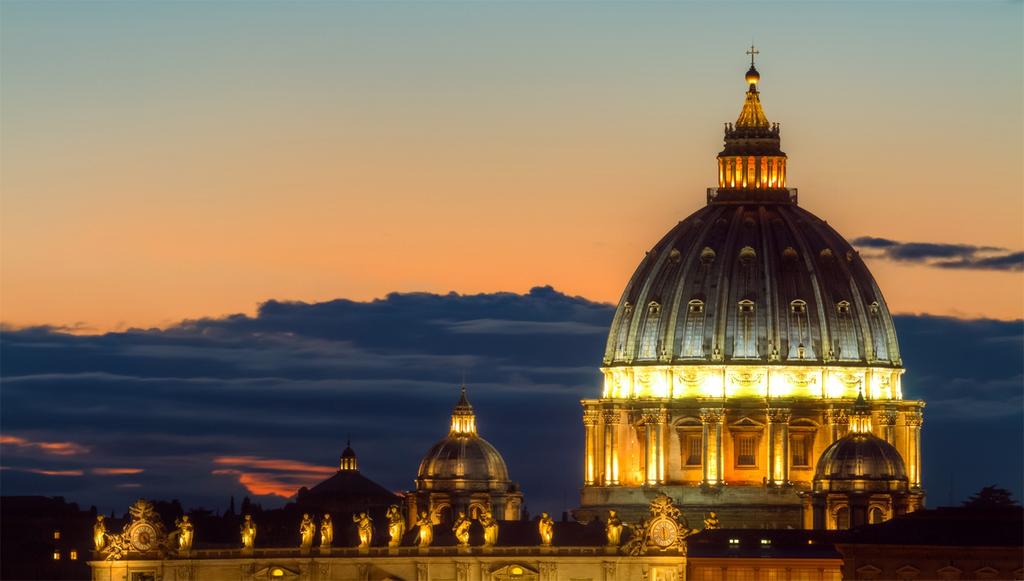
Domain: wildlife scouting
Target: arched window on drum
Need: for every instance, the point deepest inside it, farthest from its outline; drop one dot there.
(746, 330)
(693, 329)
(651, 332)
(845, 340)
(799, 331)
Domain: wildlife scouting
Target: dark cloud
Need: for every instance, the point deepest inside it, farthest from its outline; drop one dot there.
(224, 406)
(941, 255)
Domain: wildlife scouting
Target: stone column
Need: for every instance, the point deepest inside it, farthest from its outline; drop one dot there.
(662, 421)
(654, 445)
(778, 445)
(711, 421)
(914, 421)
(611, 450)
(838, 423)
(888, 420)
(590, 418)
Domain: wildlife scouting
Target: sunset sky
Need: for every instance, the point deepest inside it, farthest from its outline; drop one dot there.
(171, 160)
(164, 165)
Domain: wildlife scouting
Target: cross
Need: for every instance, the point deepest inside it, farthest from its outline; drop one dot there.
(753, 51)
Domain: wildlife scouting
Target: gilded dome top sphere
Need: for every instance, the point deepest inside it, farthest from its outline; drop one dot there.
(753, 76)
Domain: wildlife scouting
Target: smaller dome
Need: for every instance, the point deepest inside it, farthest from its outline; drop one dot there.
(463, 460)
(470, 459)
(861, 461)
(753, 77)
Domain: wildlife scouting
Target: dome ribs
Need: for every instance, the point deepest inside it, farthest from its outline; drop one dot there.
(694, 277)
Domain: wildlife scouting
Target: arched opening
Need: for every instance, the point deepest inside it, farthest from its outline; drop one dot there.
(842, 516)
(876, 515)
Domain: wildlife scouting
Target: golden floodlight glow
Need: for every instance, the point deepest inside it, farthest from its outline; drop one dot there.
(733, 381)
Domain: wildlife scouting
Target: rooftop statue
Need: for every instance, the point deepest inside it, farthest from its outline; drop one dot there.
(184, 533)
(546, 528)
(248, 531)
(99, 533)
(711, 522)
(490, 528)
(426, 530)
(307, 528)
(396, 526)
(326, 531)
(364, 525)
(461, 529)
(613, 529)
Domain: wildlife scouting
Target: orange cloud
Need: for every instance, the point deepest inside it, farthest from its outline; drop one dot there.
(270, 476)
(273, 464)
(53, 448)
(116, 471)
(44, 472)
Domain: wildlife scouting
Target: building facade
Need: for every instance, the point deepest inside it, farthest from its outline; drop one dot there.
(737, 350)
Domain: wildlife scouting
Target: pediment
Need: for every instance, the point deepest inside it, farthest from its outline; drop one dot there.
(868, 570)
(746, 422)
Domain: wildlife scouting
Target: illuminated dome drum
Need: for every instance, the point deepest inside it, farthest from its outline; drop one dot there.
(737, 349)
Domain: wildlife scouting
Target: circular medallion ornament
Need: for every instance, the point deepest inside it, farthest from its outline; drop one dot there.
(143, 537)
(664, 533)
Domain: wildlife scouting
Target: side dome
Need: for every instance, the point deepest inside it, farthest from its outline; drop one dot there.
(859, 457)
(860, 461)
(748, 282)
(463, 460)
(472, 461)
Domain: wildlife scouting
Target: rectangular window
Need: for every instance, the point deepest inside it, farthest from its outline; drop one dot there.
(694, 450)
(801, 444)
(746, 450)
(73, 555)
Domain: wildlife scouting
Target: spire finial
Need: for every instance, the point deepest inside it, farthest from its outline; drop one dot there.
(752, 52)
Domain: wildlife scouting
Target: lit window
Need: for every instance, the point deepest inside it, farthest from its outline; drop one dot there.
(801, 445)
(734, 541)
(277, 573)
(766, 542)
(694, 450)
(746, 450)
(56, 555)
(56, 535)
(73, 555)
(517, 570)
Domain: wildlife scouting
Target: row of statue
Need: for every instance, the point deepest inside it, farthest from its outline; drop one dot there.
(181, 538)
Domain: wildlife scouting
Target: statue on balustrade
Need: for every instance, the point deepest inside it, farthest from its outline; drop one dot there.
(396, 526)
(613, 529)
(490, 528)
(99, 533)
(307, 528)
(426, 530)
(364, 525)
(248, 532)
(546, 528)
(461, 529)
(326, 532)
(184, 533)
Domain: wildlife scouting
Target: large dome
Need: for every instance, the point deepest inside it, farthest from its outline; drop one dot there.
(751, 295)
(745, 282)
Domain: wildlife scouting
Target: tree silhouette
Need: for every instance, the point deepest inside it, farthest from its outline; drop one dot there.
(991, 496)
